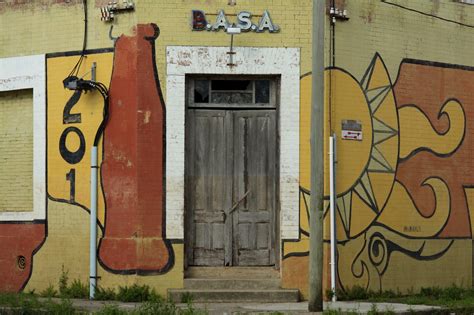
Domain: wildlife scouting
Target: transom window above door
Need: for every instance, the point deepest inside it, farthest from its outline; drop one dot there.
(232, 92)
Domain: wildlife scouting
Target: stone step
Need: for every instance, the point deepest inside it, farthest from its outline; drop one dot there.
(220, 296)
(232, 273)
(233, 284)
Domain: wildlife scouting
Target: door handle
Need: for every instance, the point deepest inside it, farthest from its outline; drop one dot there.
(234, 207)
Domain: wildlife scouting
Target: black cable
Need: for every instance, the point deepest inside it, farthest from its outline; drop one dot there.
(332, 52)
(87, 85)
(333, 29)
(104, 121)
(426, 14)
(76, 68)
(104, 92)
(84, 43)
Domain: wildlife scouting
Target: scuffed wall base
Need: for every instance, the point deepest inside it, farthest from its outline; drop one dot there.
(67, 250)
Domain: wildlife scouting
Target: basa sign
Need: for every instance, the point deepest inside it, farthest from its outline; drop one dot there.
(244, 22)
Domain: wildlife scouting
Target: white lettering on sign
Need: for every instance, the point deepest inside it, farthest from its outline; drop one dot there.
(221, 21)
(244, 22)
(351, 135)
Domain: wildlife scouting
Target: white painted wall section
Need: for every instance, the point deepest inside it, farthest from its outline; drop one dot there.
(285, 62)
(29, 72)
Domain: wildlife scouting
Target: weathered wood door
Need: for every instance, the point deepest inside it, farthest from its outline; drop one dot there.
(254, 144)
(231, 176)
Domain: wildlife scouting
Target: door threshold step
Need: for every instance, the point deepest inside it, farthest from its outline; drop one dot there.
(222, 296)
(232, 273)
(233, 284)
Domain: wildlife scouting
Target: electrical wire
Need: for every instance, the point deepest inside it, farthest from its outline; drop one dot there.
(87, 85)
(332, 52)
(75, 70)
(426, 14)
(105, 94)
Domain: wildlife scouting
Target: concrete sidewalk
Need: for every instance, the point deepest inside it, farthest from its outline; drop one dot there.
(302, 308)
(262, 308)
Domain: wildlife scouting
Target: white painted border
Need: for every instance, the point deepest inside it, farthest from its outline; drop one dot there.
(20, 73)
(182, 60)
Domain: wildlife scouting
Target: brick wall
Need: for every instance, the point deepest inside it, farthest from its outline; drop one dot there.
(16, 151)
(60, 27)
(374, 27)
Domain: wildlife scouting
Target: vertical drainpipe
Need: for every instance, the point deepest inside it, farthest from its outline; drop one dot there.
(93, 226)
(332, 204)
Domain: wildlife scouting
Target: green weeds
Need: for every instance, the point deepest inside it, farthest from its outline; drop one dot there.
(105, 294)
(57, 301)
(186, 297)
(111, 309)
(453, 299)
(136, 293)
(13, 303)
(25, 304)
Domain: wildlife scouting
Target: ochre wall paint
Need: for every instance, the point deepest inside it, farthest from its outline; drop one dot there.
(16, 150)
(431, 223)
(36, 24)
(67, 250)
(408, 206)
(68, 220)
(405, 194)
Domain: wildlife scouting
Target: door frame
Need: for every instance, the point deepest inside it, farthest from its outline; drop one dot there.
(189, 154)
(283, 62)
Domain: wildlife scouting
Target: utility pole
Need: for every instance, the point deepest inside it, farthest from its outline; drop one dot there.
(317, 161)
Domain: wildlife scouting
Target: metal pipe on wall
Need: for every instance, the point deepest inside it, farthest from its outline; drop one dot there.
(332, 210)
(93, 226)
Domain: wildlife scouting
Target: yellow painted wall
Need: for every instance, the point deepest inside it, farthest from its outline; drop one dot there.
(16, 151)
(64, 23)
(67, 250)
(377, 214)
(402, 190)
(90, 107)
(396, 33)
(52, 28)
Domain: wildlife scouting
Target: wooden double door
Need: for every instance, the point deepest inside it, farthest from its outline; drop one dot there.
(231, 185)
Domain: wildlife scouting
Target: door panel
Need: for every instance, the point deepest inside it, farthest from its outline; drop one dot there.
(254, 138)
(207, 176)
(231, 176)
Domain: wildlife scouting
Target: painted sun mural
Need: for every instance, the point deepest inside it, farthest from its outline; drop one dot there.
(402, 203)
(364, 183)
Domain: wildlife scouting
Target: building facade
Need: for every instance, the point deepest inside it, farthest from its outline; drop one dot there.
(205, 156)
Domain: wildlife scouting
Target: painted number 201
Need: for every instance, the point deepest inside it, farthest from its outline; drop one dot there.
(72, 157)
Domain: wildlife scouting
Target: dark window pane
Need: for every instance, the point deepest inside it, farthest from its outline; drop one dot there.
(262, 91)
(201, 91)
(231, 98)
(231, 85)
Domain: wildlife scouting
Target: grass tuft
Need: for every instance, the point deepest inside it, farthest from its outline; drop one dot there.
(136, 293)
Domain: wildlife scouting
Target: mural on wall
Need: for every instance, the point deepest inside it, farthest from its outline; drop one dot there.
(131, 218)
(134, 164)
(20, 242)
(131, 214)
(22, 151)
(403, 192)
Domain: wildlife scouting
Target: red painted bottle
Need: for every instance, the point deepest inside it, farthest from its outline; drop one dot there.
(133, 166)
